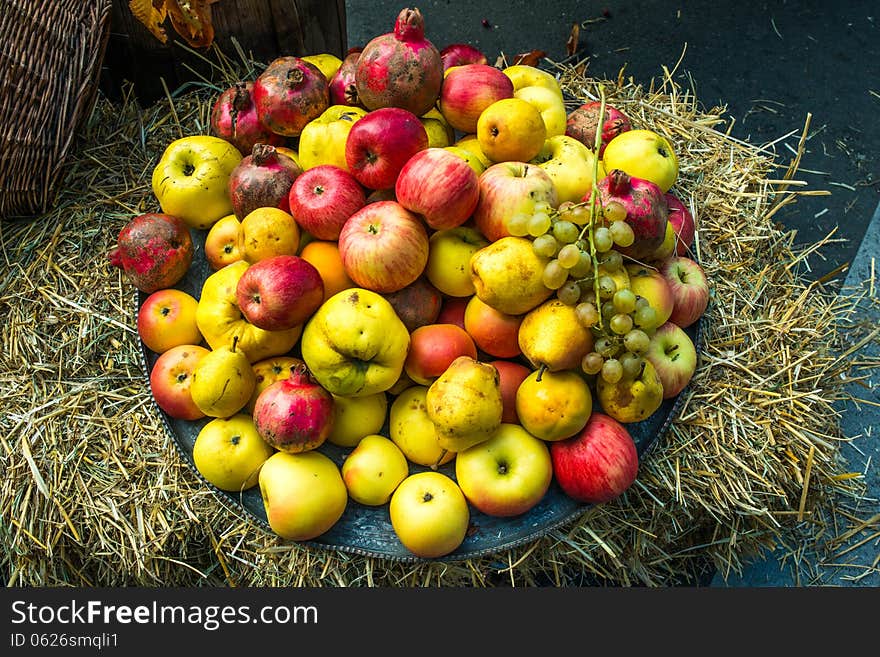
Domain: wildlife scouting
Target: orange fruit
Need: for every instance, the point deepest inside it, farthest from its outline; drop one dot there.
(554, 405)
(324, 256)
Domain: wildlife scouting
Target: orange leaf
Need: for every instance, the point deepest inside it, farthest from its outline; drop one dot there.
(571, 46)
(152, 14)
(530, 58)
(192, 20)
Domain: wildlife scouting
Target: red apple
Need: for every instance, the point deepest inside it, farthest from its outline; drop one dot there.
(383, 246)
(509, 188)
(682, 223)
(439, 186)
(170, 380)
(493, 331)
(323, 198)
(452, 311)
(510, 374)
(470, 89)
(458, 54)
(690, 289)
(432, 349)
(597, 464)
(167, 318)
(416, 304)
(279, 292)
(674, 357)
(380, 143)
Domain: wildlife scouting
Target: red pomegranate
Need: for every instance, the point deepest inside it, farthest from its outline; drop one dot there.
(343, 90)
(294, 414)
(234, 118)
(583, 121)
(262, 179)
(401, 68)
(154, 250)
(646, 210)
(289, 93)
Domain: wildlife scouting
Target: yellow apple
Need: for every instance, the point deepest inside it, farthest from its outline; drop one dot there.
(643, 154)
(429, 514)
(468, 156)
(373, 470)
(326, 62)
(440, 133)
(449, 257)
(303, 494)
(356, 417)
(229, 452)
(523, 75)
(549, 104)
(571, 167)
(221, 242)
(322, 140)
(511, 130)
(554, 405)
(506, 475)
(355, 344)
(412, 430)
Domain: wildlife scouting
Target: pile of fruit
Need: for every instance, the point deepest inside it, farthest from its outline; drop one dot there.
(426, 260)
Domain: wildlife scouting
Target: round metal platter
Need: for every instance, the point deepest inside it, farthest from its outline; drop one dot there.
(367, 530)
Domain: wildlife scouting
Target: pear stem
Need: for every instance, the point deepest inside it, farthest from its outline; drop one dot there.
(440, 458)
(541, 370)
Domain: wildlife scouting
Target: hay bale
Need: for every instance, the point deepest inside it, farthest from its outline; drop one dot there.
(95, 494)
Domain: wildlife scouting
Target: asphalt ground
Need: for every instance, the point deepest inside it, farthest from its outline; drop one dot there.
(777, 67)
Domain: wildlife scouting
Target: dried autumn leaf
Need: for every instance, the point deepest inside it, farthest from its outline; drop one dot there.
(151, 13)
(530, 58)
(192, 20)
(571, 46)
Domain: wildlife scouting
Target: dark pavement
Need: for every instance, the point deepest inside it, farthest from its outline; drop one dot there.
(771, 64)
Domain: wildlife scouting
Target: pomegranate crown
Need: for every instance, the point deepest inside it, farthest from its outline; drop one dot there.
(410, 25)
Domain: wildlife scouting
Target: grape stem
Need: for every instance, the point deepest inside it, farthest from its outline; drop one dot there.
(591, 224)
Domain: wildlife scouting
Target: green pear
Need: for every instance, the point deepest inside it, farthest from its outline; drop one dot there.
(509, 276)
(551, 336)
(223, 381)
(465, 404)
(631, 400)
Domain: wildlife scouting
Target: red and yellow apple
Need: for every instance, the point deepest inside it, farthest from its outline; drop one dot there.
(323, 198)
(167, 318)
(439, 187)
(432, 349)
(674, 357)
(510, 375)
(690, 289)
(373, 470)
(470, 89)
(493, 331)
(221, 242)
(429, 514)
(509, 188)
(171, 380)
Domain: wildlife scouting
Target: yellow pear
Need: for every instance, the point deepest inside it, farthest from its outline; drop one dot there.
(551, 336)
(631, 400)
(465, 403)
(223, 381)
(508, 275)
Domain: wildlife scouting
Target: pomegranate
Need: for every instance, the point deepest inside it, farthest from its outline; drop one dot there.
(294, 414)
(290, 93)
(343, 90)
(234, 118)
(154, 250)
(645, 206)
(457, 54)
(401, 68)
(262, 179)
(582, 123)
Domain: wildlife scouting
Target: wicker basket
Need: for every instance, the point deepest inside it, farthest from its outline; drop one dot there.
(50, 60)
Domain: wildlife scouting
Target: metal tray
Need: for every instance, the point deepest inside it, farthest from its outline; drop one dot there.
(366, 530)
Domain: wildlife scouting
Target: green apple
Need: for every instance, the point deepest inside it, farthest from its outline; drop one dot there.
(440, 133)
(303, 494)
(643, 154)
(449, 257)
(229, 452)
(506, 475)
(571, 166)
(412, 430)
(373, 470)
(191, 179)
(355, 344)
(429, 514)
(549, 104)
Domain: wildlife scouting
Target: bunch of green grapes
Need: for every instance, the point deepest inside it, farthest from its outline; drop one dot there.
(585, 270)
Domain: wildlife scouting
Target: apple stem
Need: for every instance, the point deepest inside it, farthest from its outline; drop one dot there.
(541, 371)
